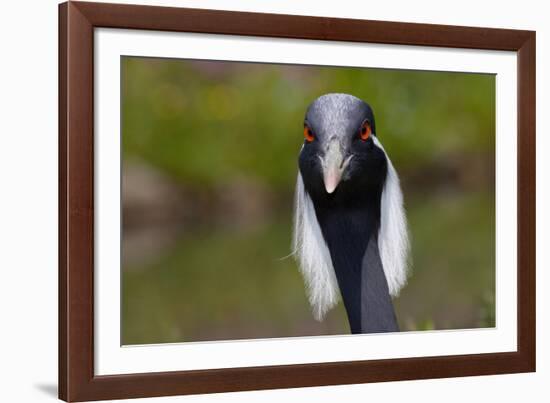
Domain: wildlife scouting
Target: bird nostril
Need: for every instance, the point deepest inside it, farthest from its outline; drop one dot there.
(346, 161)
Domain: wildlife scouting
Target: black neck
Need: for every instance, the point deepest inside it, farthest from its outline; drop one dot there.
(351, 233)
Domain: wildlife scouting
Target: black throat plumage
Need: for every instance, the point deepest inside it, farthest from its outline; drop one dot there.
(349, 222)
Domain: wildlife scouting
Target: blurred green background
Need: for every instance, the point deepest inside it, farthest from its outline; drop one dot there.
(209, 166)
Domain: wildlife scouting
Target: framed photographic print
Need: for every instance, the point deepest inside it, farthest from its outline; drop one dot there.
(253, 201)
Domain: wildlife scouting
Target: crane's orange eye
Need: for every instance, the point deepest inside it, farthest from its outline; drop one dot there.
(308, 134)
(365, 131)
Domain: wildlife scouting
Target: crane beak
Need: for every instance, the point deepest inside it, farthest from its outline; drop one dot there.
(334, 164)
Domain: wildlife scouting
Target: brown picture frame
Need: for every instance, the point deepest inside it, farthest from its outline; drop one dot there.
(77, 381)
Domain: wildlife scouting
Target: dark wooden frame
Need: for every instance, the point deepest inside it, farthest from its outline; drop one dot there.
(77, 381)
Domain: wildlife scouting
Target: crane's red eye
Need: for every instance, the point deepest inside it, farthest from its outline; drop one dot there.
(365, 131)
(308, 134)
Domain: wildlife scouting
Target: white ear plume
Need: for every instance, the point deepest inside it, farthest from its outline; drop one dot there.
(311, 252)
(393, 237)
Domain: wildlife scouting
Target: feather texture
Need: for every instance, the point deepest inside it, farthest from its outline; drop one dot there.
(313, 256)
(393, 236)
(311, 252)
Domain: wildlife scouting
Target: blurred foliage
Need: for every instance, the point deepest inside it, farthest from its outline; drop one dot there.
(206, 124)
(248, 118)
